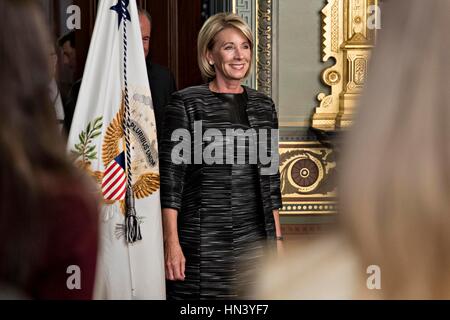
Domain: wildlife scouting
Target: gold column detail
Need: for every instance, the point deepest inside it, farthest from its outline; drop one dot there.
(264, 47)
(348, 39)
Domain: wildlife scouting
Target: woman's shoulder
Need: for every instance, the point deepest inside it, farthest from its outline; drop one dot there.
(254, 94)
(192, 91)
(203, 92)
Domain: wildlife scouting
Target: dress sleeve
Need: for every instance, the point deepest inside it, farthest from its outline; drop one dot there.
(172, 172)
(275, 192)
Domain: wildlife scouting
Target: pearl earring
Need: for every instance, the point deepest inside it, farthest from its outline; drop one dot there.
(211, 63)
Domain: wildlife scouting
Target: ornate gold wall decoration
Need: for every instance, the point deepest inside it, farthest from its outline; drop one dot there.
(348, 39)
(264, 45)
(308, 171)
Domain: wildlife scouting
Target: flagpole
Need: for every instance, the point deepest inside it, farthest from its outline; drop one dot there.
(132, 223)
(105, 144)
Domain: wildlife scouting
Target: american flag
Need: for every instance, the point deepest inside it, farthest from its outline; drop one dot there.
(114, 180)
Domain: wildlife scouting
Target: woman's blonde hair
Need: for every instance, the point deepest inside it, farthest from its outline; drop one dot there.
(210, 29)
(395, 183)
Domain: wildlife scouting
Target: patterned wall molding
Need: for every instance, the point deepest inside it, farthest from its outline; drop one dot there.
(264, 45)
(308, 178)
(258, 14)
(306, 229)
(247, 9)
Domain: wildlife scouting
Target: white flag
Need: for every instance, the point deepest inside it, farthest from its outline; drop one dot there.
(124, 270)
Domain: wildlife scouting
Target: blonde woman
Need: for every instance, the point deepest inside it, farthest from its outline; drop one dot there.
(215, 214)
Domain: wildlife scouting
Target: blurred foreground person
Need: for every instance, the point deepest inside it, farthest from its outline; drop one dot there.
(48, 225)
(55, 93)
(69, 61)
(395, 177)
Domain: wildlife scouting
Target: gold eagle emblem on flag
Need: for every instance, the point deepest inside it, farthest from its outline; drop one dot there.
(144, 154)
(144, 147)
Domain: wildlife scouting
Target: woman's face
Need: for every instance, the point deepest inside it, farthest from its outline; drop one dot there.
(231, 55)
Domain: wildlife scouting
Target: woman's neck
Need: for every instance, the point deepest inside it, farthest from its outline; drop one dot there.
(226, 86)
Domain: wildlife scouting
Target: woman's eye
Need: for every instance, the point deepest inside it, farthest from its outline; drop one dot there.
(228, 48)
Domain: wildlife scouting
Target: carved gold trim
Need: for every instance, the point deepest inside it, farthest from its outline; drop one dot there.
(308, 171)
(347, 39)
(264, 45)
(291, 230)
(305, 123)
(262, 13)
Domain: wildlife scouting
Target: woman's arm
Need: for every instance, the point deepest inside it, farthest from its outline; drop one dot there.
(173, 254)
(172, 182)
(278, 233)
(276, 217)
(275, 191)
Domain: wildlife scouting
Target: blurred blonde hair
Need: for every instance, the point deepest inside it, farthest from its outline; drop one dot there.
(395, 183)
(33, 156)
(210, 29)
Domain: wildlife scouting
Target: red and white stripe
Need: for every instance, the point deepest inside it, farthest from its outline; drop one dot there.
(113, 184)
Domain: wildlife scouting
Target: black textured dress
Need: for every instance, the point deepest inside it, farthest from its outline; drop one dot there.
(222, 220)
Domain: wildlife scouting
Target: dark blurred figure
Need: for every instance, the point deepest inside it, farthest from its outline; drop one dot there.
(47, 221)
(395, 175)
(162, 82)
(67, 45)
(56, 97)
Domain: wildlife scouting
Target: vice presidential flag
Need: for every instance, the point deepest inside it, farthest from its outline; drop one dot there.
(115, 88)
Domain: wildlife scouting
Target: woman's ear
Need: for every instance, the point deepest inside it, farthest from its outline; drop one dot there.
(209, 57)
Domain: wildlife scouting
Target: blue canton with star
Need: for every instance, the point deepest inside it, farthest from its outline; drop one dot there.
(119, 8)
